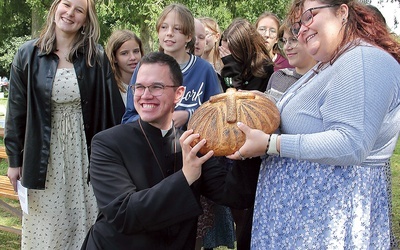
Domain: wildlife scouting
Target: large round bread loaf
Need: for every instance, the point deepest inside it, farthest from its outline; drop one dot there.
(216, 120)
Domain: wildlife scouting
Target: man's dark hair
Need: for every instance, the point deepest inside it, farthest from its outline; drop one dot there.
(164, 59)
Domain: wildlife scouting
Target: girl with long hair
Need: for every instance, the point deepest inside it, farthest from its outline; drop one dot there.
(62, 92)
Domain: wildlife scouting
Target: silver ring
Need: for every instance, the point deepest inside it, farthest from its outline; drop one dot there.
(241, 156)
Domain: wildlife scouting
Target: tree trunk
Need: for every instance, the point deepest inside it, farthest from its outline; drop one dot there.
(147, 41)
(37, 22)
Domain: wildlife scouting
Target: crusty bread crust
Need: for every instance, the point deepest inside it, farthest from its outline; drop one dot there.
(216, 119)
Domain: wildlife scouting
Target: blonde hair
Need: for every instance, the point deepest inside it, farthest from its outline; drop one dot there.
(86, 38)
(212, 25)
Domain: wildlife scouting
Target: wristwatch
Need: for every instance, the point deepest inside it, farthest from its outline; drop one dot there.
(272, 150)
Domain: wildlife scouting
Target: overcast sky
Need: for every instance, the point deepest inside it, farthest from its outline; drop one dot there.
(389, 11)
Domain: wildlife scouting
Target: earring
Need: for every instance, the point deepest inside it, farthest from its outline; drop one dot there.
(343, 20)
(83, 31)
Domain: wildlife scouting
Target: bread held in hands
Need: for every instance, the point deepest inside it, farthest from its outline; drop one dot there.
(216, 119)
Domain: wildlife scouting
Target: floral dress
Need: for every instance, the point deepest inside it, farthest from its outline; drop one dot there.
(309, 206)
(61, 215)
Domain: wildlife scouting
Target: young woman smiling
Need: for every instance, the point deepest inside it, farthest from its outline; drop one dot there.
(323, 182)
(61, 93)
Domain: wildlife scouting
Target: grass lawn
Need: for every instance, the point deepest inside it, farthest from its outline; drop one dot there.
(395, 161)
(9, 241)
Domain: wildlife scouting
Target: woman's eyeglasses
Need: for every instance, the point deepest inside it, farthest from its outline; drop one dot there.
(271, 31)
(154, 89)
(306, 18)
(292, 41)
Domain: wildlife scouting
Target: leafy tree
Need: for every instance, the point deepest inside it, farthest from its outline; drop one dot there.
(251, 9)
(138, 16)
(13, 18)
(8, 50)
(39, 9)
(20, 19)
(13, 24)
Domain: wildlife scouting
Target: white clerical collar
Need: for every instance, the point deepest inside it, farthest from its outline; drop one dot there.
(165, 131)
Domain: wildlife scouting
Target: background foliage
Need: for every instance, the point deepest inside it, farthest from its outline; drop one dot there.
(21, 20)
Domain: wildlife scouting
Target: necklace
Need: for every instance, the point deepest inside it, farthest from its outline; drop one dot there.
(152, 150)
(62, 54)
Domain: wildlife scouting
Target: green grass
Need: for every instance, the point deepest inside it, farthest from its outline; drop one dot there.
(11, 241)
(6, 219)
(395, 161)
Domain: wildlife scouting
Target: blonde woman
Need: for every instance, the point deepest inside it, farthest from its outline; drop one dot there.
(323, 182)
(61, 93)
(213, 36)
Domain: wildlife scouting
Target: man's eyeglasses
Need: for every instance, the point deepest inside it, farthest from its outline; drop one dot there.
(154, 89)
(292, 41)
(306, 18)
(271, 31)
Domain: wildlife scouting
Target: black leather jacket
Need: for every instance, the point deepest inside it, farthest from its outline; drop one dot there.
(28, 120)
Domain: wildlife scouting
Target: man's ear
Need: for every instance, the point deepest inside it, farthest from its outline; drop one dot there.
(180, 91)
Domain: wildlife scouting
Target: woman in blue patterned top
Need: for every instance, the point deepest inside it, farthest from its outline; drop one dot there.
(323, 183)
